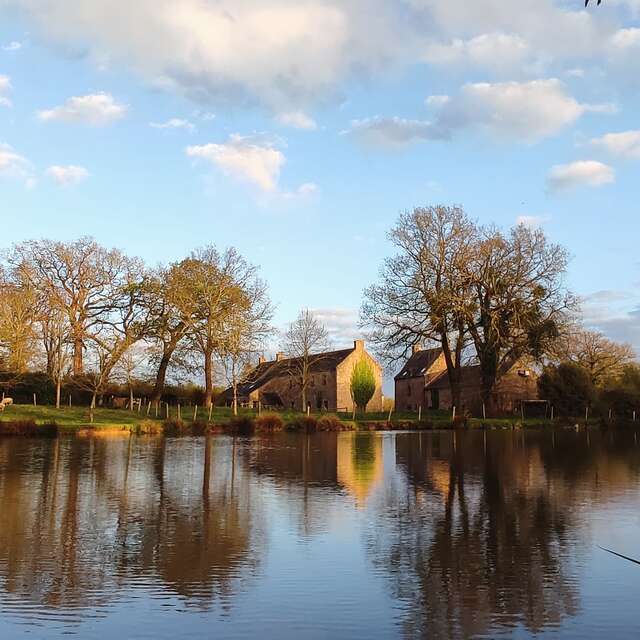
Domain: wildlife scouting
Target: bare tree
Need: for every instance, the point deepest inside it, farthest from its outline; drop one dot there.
(244, 334)
(169, 325)
(305, 342)
(520, 301)
(80, 277)
(55, 336)
(602, 358)
(115, 332)
(424, 293)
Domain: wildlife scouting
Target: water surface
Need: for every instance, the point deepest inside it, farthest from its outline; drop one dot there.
(432, 535)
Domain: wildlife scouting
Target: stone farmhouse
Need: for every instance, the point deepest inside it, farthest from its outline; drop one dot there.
(424, 382)
(274, 384)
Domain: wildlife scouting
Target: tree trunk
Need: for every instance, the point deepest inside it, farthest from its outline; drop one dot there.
(78, 361)
(58, 390)
(208, 379)
(235, 399)
(161, 374)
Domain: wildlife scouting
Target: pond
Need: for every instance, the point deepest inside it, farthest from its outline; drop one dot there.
(351, 535)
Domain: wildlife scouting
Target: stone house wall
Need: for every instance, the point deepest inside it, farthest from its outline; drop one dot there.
(343, 383)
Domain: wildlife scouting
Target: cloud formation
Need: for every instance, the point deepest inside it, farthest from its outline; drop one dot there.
(174, 123)
(589, 173)
(341, 324)
(520, 111)
(288, 54)
(98, 109)
(67, 175)
(14, 166)
(244, 158)
(297, 120)
(393, 132)
(525, 111)
(625, 144)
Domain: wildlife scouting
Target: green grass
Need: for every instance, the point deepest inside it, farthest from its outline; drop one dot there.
(73, 418)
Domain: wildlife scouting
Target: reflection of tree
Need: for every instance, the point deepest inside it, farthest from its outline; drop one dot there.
(83, 519)
(360, 465)
(484, 549)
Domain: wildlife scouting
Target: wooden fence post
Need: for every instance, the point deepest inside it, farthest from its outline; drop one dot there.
(420, 413)
(195, 412)
(179, 414)
(35, 401)
(453, 419)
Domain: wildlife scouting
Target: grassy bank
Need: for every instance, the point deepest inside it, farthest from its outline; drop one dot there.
(33, 419)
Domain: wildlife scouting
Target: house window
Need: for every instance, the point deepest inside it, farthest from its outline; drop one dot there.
(324, 380)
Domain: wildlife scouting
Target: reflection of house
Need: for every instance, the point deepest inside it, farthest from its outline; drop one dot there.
(277, 383)
(360, 464)
(424, 382)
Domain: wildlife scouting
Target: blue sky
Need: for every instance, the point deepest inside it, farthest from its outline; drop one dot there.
(297, 131)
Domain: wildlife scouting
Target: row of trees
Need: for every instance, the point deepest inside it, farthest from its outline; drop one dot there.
(494, 299)
(88, 316)
(78, 309)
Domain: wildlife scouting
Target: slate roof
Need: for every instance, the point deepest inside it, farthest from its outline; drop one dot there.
(419, 363)
(469, 377)
(267, 371)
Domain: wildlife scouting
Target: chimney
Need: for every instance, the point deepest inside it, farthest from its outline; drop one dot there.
(279, 356)
(358, 345)
(261, 360)
(417, 348)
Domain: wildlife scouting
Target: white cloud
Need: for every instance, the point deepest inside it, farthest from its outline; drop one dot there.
(625, 144)
(437, 101)
(67, 175)
(12, 46)
(286, 54)
(5, 87)
(393, 132)
(500, 53)
(527, 111)
(173, 123)
(297, 120)
(532, 222)
(97, 109)
(626, 39)
(14, 166)
(280, 53)
(582, 173)
(341, 324)
(245, 159)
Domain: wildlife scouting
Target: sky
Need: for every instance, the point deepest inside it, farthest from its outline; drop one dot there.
(298, 130)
